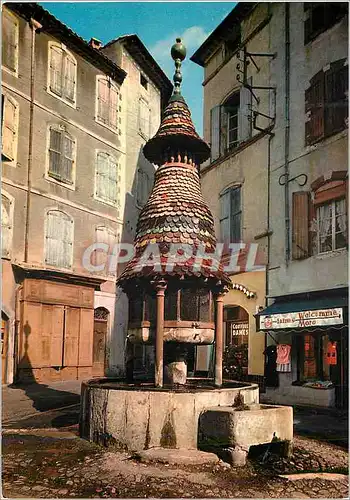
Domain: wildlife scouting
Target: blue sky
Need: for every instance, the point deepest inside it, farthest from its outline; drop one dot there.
(157, 24)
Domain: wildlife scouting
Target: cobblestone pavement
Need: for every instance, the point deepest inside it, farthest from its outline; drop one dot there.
(56, 464)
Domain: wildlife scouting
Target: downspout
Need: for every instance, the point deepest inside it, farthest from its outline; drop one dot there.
(287, 132)
(34, 25)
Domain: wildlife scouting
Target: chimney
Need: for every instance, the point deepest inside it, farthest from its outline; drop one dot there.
(95, 44)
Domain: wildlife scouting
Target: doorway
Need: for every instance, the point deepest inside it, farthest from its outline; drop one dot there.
(4, 346)
(101, 317)
(236, 328)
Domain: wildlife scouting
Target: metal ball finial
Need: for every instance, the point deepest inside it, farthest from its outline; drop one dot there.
(178, 53)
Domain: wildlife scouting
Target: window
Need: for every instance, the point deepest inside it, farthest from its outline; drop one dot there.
(107, 103)
(143, 81)
(10, 29)
(61, 155)
(331, 226)
(230, 123)
(144, 186)
(62, 73)
(326, 103)
(231, 215)
(317, 354)
(144, 118)
(320, 16)
(6, 224)
(10, 114)
(107, 179)
(59, 239)
(108, 236)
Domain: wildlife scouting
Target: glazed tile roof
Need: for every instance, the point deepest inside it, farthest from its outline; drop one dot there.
(176, 133)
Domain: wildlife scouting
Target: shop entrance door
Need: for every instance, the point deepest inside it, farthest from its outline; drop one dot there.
(236, 341)
(4, 346)
(100, 336)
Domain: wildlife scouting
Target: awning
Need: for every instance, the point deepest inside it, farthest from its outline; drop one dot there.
(301, 314)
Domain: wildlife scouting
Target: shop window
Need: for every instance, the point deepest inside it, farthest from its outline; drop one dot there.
(108, 179)
(10, 35)
(231, 215)
(107, 103)
(61, 155)
(316, 355)
(9, 127)
(326, 102)
(62, 73)
(230, 123)
(6, 225)
(320, 16)
(59, 239)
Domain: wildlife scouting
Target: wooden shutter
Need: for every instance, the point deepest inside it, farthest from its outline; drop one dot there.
(300, 225)
(215, 132)
(223, 132)
(102, 100)
(235, 218)
(71, 336)
(55, 153)
(225, 216)
(336, 87)
(69, 77)
(6, 226)
(113, 107)
(59, 239)
(113, 180)
(67, 159)
(314, 108)
(86, 332)
(30, 342)
(9, 128)
(9, 41)
(102, 171)
(244, 123)
(56, 69)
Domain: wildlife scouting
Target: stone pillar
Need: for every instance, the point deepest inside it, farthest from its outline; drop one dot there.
(219, 336)
(160, 287)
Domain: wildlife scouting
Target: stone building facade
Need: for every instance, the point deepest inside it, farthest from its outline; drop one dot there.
(282, 151)
(66, 184)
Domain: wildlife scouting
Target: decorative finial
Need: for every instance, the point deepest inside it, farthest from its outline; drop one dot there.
(178, 53)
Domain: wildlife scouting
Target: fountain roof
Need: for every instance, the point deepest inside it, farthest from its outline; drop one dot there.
(176, 132)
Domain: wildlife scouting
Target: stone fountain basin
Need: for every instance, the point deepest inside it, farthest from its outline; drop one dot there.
(238, 429)
(138, 417)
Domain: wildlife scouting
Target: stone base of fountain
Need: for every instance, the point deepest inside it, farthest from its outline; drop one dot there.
(139, 416)
(230, 431)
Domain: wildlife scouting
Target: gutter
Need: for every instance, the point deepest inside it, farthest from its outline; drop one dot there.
(287, 131)
(34, 25)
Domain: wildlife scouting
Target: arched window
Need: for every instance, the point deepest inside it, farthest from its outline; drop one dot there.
(62, 147)
(107, 178)
(6, 224)
(59, 239)
(62, 73)
(107, 95)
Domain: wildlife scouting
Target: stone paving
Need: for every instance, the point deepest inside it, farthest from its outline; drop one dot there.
(56, 464)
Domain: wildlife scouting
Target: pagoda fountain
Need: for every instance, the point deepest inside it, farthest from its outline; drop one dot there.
(173, 303)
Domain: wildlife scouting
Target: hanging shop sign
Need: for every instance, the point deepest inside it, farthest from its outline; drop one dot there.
(302, 319)
(239, 328)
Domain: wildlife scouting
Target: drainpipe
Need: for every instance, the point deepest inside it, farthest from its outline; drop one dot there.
(34, 25)
(287, 131)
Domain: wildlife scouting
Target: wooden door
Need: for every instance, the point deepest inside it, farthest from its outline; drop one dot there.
(4, 347)
(99, 343)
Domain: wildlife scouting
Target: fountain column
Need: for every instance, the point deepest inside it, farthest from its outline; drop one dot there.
(219, 336)
(158, 375)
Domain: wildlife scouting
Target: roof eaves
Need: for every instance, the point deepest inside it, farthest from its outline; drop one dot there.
(239, 12)
(52, 25)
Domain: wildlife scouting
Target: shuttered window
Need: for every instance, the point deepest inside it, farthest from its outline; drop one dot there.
(231, 215)
(61, 155)
(63, 72)
(107, 178)
(107, 103)
(6, 225)
(326, 105)
(300, 225)
(230, 123)
(59, 239)
(10, 112)
(144, 186)
(110, 237)
(10, 29)
(331, 226)
(144, 118)
(320, 16)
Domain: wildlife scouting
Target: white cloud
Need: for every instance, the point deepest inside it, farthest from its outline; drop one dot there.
(192, 38)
